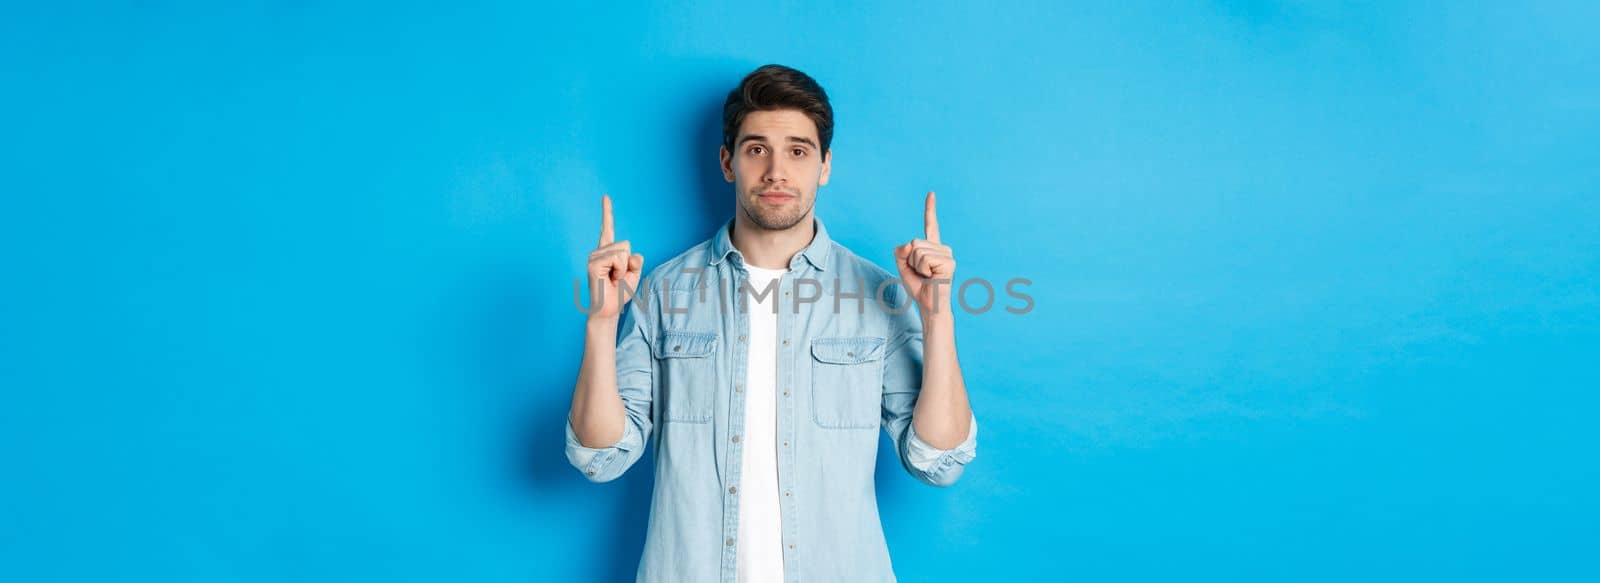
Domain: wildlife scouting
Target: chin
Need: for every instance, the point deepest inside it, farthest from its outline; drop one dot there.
(775, 221)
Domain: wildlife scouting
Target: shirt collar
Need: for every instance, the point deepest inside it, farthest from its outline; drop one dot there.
(816, 253)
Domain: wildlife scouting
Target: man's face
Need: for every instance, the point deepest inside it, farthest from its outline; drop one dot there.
(776, 166)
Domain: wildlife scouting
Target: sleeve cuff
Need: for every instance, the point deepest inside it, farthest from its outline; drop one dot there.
(926, 457)
(592, 461)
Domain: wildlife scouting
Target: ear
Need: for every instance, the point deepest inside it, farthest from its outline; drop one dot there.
(827, 166)
(727, 163)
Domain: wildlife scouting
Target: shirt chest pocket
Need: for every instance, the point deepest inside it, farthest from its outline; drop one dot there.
(688, 375)
(847, 382)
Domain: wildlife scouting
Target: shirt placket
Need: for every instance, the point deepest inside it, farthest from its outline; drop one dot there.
(785, 426)
(735, 450)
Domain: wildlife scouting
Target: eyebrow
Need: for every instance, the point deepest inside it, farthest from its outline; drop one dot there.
(797, 139)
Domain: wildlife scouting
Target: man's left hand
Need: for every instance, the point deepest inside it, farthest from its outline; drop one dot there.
(927, 268)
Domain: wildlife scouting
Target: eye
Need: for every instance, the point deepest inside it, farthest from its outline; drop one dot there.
(798, 152)
(756, 150)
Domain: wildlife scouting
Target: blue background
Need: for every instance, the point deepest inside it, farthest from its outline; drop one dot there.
(288, 288)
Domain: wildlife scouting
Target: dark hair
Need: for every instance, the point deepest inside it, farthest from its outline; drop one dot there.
(774, 87)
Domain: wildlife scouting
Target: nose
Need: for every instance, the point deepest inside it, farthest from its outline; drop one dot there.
(775, 173)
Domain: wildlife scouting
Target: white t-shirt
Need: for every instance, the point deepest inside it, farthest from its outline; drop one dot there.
(760, 551)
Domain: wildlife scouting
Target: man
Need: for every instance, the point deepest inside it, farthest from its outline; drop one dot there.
(761, 362)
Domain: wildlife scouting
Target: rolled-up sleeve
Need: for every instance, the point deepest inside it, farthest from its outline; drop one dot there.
(635, 385)
(902, 383)
(932, 460)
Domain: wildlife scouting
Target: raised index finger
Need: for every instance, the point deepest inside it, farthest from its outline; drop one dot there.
(930, 221)
(606, 233)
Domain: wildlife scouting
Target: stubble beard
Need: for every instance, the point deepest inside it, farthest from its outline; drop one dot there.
(776, 219)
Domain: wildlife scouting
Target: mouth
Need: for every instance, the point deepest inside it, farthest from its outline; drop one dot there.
(775, 197)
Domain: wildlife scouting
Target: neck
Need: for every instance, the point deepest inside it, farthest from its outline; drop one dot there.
(772, 249)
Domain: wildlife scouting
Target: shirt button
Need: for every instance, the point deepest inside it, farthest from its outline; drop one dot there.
(738, 389)
(736, 438)
(785, 341)
(590, 472)
(786, 392)
(677, 348)
(730, 542)
(741, 338)
(785, 492)
(791, 547)
(786, 443)
(733, 489)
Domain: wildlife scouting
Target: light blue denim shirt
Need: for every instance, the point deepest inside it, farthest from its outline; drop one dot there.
(848, 363)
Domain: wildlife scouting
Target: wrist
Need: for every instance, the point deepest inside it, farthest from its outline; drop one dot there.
(597, 323)
(942, 317)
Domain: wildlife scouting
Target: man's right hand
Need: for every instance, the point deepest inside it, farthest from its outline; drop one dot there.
(614, 269)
